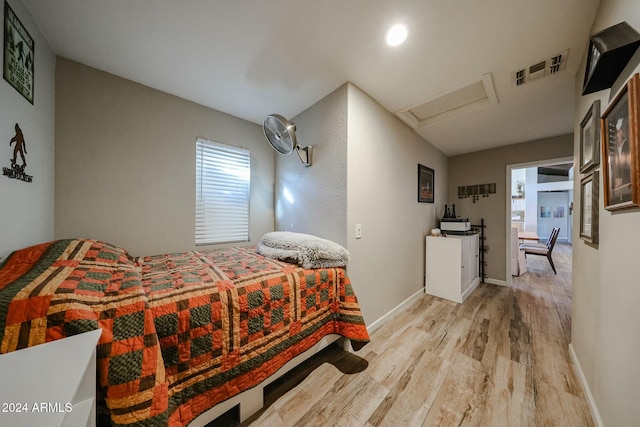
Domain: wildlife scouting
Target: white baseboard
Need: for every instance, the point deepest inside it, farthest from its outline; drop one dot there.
(375, 325)
(496, 282)
(585, 388)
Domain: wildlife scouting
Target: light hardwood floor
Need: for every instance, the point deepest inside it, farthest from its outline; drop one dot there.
(499, 359)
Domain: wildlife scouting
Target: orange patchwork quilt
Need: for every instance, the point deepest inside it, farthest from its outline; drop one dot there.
(181, 332)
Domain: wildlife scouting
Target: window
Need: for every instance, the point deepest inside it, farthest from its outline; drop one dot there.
(222, 193)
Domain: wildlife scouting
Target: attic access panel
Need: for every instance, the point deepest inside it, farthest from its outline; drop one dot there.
(609, 52)
(474, 95)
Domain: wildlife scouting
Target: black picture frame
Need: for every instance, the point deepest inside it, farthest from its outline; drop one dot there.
(426, 181)
(18, 55)
(590, 138)
(589, 208)
(620, 157)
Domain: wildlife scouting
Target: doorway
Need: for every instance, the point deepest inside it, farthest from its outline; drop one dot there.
(539, 197)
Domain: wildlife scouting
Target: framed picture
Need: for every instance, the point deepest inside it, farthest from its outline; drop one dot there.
(18, 55)
(545, 212)
(589, 208)
(590, 138)
(620, 168)
(425, 184)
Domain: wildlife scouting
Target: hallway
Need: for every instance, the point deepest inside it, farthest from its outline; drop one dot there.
(549, 294)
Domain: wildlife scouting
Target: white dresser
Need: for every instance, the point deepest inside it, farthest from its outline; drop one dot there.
(452, 266)
(50, 385)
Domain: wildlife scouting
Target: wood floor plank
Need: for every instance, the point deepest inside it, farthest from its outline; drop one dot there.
(476, 342)
(496, 303)
(552, 364)
(420, 305)
(449, 339)
(435, 316)
(350, 401)
(386, 334)
(563, 308)
(298, 401)
(272, 419)
(401, 407)
(541, 295)
(510, 398)
(555, 407)
(475, 302)
(459, 400)
(520, 342)
(520, 304)
(544, 318)
(389, 369)
(498, 342)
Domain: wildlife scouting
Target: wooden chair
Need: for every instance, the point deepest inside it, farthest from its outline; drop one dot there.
(544, 250)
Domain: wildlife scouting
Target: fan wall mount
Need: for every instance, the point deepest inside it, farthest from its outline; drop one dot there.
(281, 134)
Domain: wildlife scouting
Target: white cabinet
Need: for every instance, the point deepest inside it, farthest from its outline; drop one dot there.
(50, 385)
(451, 266)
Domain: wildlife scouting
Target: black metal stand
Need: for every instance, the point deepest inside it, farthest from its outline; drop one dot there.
(483, 249)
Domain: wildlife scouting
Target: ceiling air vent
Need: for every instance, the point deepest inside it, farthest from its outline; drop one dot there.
(548, 67)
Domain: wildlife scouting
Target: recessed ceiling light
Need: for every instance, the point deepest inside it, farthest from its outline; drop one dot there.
(397, 34)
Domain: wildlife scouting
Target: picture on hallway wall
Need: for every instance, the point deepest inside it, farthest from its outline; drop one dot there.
(590, 138)
(558, 212)
(552, 212)
(589, 208)
(545, 212)
(620, 168)
(426, 189)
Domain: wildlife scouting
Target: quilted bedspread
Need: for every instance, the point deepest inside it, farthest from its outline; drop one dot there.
(181, 332)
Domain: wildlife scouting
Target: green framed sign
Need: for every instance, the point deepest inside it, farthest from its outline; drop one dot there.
(18, 54)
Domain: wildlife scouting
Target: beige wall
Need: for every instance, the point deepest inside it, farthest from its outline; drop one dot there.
(364, 172)
(605, 315)
(387, 264)
(318, 193)
(26, 209)
(125, 156)
(490, 166)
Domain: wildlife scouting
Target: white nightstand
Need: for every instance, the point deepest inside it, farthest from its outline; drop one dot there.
(50, 385)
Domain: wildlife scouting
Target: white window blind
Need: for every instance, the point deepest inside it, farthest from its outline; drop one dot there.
(222, 193)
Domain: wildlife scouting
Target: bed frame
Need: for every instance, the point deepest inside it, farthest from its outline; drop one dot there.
(252, 400)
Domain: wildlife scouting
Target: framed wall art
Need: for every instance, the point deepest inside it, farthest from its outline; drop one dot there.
(620, 168)
(18, 57)
(589, 189)
(590, 138)
(426, 189)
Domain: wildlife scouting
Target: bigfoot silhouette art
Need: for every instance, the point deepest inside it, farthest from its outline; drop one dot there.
(19, 148)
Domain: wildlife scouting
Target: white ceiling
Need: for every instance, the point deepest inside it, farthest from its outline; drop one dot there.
(250, 58)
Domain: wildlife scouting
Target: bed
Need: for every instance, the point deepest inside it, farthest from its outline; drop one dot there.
(180, 332)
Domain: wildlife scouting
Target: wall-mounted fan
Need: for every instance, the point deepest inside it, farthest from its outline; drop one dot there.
(281, 134)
